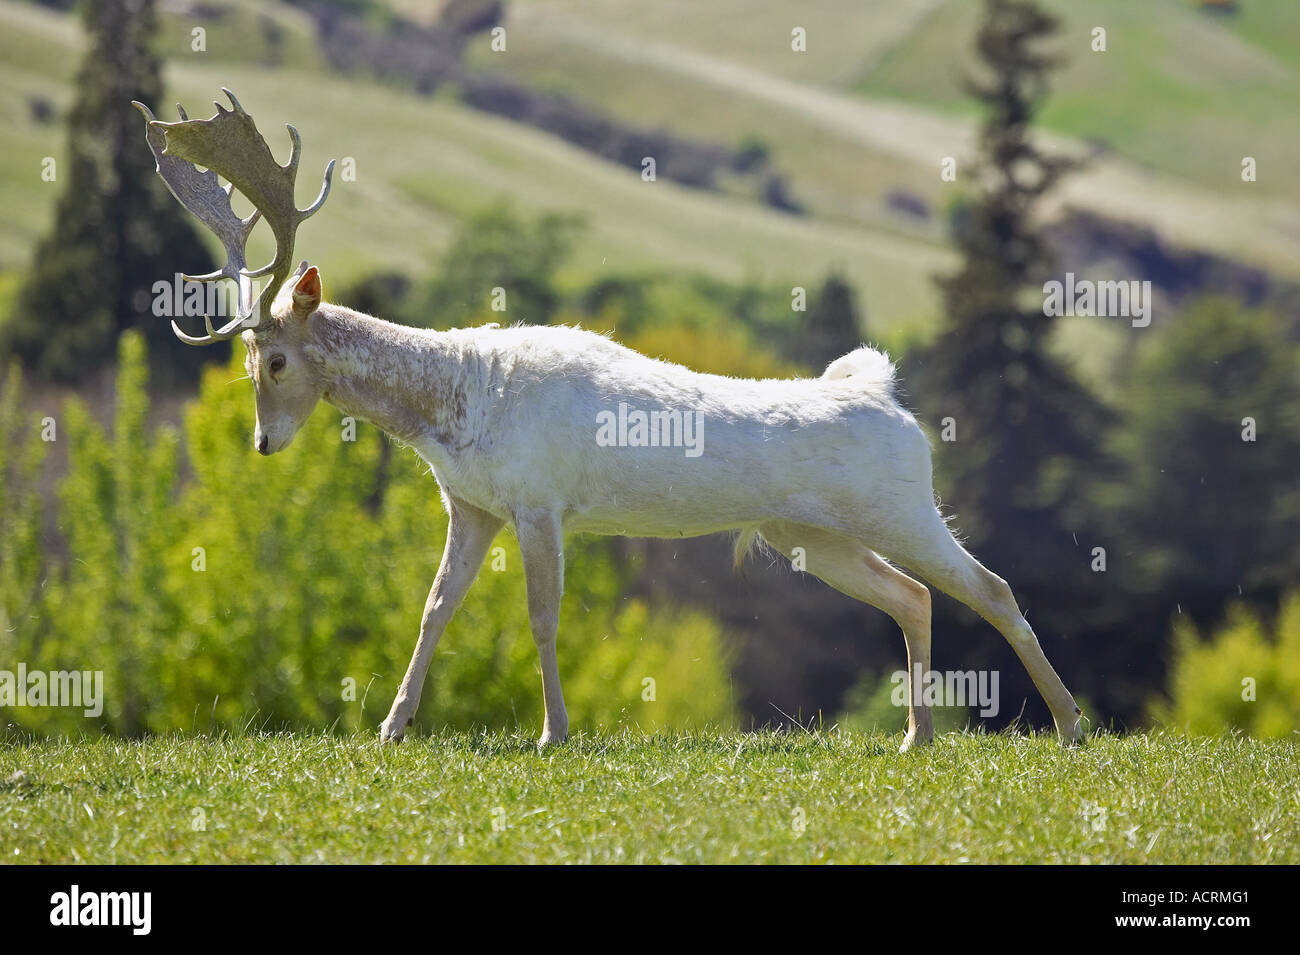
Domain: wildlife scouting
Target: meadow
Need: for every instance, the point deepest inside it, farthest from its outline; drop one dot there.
(711, 796)
(252, 619)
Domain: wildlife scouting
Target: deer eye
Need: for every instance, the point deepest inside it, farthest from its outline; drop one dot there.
(277, 364)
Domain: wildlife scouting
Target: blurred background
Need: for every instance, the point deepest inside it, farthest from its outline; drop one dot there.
(824, 173)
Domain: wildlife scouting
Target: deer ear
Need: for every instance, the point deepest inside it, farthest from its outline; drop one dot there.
(307, 293)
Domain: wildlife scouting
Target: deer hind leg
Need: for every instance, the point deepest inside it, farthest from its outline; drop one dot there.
(469, 535)
(854, 569)
(940, 560)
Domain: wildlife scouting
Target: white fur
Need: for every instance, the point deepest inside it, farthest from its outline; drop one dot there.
(508, 420)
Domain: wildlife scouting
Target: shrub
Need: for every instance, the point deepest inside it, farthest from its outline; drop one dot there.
(22, 453)
(287, 592)
(1243, 677)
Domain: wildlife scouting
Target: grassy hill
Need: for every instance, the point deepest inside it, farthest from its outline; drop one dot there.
(423, 164)
(1175, 89)
(866, 113)
(1167, 112)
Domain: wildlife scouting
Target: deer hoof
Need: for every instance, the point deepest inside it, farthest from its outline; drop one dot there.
(550, 738)
(914, 741)
(1074, 736)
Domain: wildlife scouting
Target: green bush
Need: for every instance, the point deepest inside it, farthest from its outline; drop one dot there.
(22, 453)
(1241, 678)
(287, 591)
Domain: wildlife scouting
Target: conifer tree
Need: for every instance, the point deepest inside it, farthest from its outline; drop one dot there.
(1019, 437)
(117, 231)
(1025, 430)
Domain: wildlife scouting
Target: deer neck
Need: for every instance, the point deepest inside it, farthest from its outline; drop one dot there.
(411, 382)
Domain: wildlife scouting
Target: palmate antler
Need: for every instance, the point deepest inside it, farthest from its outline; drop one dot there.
(230, 144)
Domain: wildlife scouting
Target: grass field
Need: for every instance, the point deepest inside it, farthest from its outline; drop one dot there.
(743, 797)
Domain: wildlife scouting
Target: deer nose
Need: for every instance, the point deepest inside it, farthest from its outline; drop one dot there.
(261, 444)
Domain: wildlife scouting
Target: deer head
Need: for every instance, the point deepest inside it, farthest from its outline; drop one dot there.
(273, 325)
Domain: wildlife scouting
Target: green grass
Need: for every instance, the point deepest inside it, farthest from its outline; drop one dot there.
(736, 797)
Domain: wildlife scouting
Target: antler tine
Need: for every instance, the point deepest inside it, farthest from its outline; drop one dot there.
(301, 214)
(208, 201)
(324, 192)
(284, 253)
(294, 156)
(227, 331)
(214, 335)
(230, 144)
(295, 148)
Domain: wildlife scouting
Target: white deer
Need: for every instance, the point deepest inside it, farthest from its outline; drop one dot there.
(507, 419)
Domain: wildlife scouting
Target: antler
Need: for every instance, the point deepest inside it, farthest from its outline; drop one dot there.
(230, 144)
(209, 202)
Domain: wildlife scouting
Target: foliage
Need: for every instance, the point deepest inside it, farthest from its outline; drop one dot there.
(288, 591)
(744, 331)
(1020, 414)
(831, 326)
(1243, 677)
(1211, 430)
(22, 508)
(498, 249)
(116, 231)
(681, 322)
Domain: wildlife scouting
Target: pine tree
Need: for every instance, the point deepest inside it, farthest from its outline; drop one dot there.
(1024, 428)
(1211, 432)
(831, 327)
(117, 231)
(1022, 441)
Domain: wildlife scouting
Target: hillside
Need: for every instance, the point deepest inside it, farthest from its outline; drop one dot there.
(424, 163)
(857, 125)
(877, 100)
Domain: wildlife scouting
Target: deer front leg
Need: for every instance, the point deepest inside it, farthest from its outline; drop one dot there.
(469, 535)
(542, 544)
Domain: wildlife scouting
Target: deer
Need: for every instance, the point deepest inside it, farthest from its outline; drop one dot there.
(833, 468)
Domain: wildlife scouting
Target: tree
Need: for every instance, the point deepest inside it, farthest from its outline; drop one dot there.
(117, 231)
(1212, 433)
(1243, 677)
(502, 267)
(831, 327)
(1021, 442)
